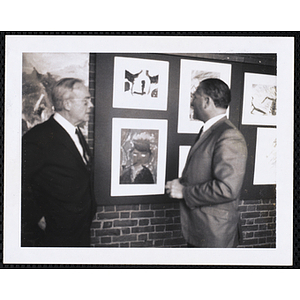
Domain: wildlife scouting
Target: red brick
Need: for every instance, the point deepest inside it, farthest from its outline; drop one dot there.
(121, 223)
(173, 213)
(158, 243)
(177, 233)
(125, 238)
(160, 228)
(251, 207)
(250, 215)
(159, 213)
(144, 206)
(250, 228)
(247, 202)
(263, 233)
(95, 240)
(105, 240)
(162, 206)
(172, 242)
(143, 229)
(107, 224)
(125, 215)
(108, 215)
(271, 239)
(142, 244)
(160, 235)
(263, 220)
(173, 227)
(127, 207)
(109, 232)
(142, 214)
(125, 230)
(109, 208)
(96, 225)
(143, 237)
(143, 222)
(124, 245)
(266, 207)
(156, 221)
(250, 241)
(272, 213)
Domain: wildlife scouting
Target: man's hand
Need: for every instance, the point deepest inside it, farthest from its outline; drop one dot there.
(42, 223)
(174, 189)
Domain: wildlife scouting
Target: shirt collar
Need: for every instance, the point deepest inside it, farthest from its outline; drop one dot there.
(69, 127)
(212, 121)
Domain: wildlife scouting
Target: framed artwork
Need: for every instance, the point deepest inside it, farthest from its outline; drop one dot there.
(39, 72)
(183, 154)
(265, 157)
(260, 97)
(191, 74)
(140, 83)
(139, 148)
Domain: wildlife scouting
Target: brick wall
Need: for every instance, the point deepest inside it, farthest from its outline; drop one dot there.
(137, 225)
(158, 225)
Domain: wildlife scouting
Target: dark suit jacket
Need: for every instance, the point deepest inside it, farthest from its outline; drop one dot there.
(213, 177)
(56, 184)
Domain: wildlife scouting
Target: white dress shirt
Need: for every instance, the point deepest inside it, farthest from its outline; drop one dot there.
(70, 129)
(212, 121)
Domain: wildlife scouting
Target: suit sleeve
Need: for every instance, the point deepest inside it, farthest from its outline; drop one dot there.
(32, 162)
(228, 169)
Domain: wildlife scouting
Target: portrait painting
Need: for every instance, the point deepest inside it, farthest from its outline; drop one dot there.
(191, 74)
(40, 71)
(265, 156)
(140, 83)
(138, 156)
(260, 99)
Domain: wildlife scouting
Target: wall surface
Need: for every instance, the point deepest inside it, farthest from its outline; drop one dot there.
(158, 224)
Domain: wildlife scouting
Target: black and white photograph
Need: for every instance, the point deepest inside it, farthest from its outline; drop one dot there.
(146, 150)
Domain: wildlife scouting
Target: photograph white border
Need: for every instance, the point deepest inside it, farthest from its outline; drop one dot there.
(16, 45)
(122, 99)
(185, 124)
(249, 80)
(157, 188)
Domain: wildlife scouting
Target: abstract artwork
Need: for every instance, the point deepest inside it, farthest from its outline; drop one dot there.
(260, 99)
(140, 83)
(138, 156)
(40, 71)
(265, 157)
(191, 74)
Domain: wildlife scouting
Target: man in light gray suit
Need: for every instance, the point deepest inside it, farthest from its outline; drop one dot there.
(212, 178)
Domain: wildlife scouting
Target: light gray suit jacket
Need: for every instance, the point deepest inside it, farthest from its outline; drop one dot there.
(213, 178)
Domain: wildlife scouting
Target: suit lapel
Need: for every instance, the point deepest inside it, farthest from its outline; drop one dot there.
(64, 138)
(203, 137)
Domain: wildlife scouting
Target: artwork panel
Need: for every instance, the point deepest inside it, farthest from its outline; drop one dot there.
(140, 83)
(138, 156)
(191, 74)
(40, 71)
(260, 99)
(183, 154)
(265, 157)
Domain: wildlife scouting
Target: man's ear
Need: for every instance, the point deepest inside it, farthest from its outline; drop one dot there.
(67, 104)
(207, 101)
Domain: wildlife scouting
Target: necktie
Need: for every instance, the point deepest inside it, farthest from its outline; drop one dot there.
(84, 145)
